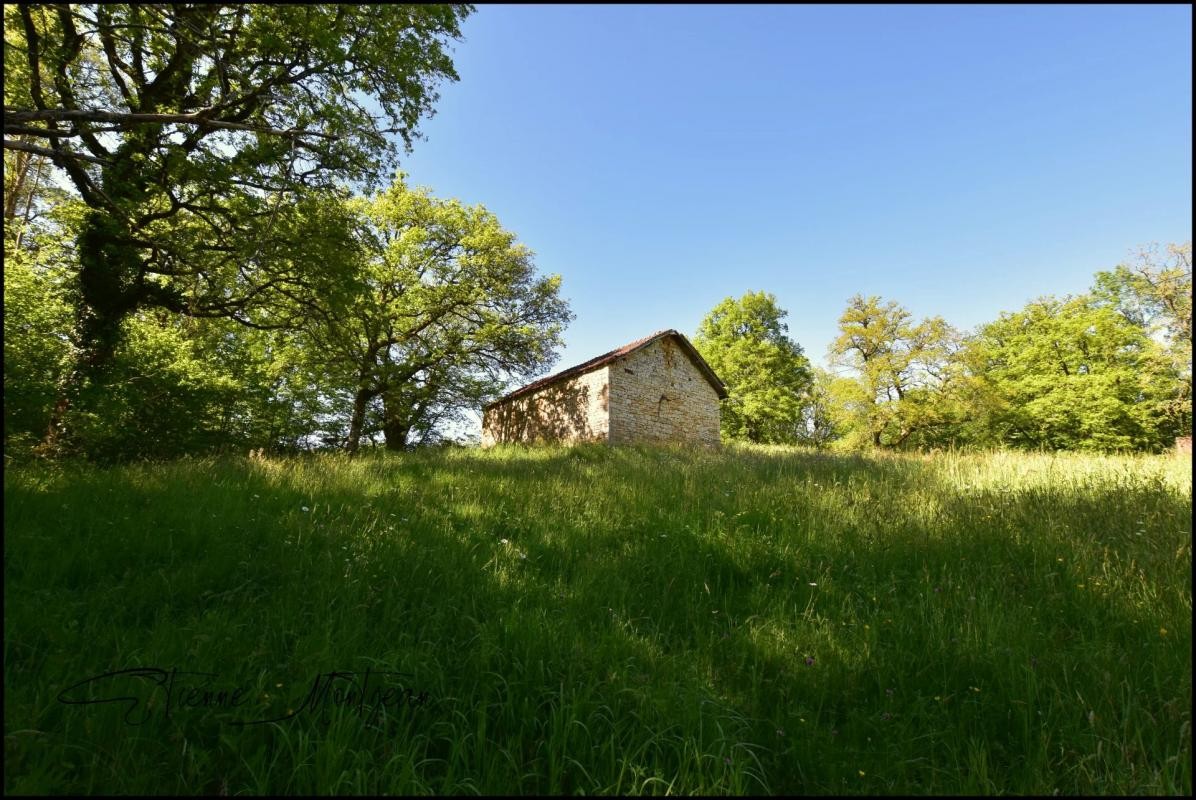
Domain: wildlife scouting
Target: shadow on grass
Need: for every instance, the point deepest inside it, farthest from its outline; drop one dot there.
(599, 620)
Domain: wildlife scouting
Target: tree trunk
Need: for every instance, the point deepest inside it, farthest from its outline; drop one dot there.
(111, 287)
(19, 188)
(396, 435)
(94, 341)
(14, 184)
(396, 426)
(361, 401)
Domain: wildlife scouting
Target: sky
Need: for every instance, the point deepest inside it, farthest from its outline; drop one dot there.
(959, 160)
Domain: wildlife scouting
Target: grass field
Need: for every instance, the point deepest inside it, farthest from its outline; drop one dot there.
(603, 620)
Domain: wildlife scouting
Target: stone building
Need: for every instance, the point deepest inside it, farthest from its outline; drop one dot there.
(658, 389)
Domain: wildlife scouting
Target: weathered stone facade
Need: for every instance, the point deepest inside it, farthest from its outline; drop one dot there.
(655, 390)
(658, 394)
(572, 410)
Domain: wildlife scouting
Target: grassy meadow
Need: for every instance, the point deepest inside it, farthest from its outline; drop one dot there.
(598, 620)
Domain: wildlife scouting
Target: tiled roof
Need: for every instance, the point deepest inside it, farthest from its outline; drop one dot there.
(606, 358)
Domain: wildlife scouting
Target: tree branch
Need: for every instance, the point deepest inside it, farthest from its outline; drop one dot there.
(126, 119)
(16, 144)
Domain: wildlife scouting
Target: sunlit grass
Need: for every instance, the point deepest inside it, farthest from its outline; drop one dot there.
(612, 621)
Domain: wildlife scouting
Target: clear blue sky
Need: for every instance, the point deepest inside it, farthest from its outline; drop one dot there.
(959, 160)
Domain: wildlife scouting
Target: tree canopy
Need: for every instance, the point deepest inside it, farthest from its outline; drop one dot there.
(766, 373)
(1154, 291)
(192, 132)
(904, 368)
(1109, 369)
(447, 308)
(1071, 374)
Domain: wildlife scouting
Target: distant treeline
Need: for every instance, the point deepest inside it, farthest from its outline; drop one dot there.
(1109, 370)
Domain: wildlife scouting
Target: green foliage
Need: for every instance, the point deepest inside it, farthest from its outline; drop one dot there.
(422, 307)
(36, 314)
(904, 374)
(820, 423)
(176, 385)
(849, 409)
(447, 307)
(192, 132)
(766, 374)
(182, 387)
(610, 621)
(1154, 292)
(1072, 374)
(1110, 370)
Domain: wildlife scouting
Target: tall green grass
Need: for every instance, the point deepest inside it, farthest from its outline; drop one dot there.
(600, 620)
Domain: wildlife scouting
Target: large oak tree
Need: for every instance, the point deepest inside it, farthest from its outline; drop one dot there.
(1070, 374)
(192, 131)
(903, 370)
(446, 307)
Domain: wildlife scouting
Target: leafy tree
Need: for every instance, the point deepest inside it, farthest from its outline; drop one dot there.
(28, 194)
(176, 384)
(189, 129)
(36, 312)
(447, 308)
(766, 374)
(1155, 291)
(1070, 374)
(820, 423)
(904, 370)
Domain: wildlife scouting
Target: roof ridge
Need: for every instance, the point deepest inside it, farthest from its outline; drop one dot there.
(605, 358)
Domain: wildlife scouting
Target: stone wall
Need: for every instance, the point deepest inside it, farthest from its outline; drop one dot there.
(573, 410)
(657, 394)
